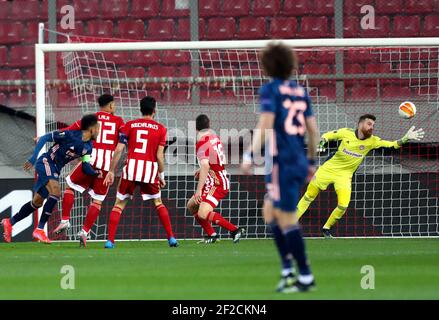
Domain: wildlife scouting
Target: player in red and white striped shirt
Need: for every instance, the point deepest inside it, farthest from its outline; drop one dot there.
(213, 182)
(103, 150)
(144, 167)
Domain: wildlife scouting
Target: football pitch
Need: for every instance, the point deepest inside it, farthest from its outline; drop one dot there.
(404, 269)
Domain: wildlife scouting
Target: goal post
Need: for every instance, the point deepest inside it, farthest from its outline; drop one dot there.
(395, 192)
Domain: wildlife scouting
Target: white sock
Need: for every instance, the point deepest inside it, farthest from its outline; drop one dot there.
(306, 279)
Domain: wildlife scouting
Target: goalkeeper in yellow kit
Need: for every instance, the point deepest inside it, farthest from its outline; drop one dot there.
(339, 168)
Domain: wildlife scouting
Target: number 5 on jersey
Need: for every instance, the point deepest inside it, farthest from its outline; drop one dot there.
(141, 138)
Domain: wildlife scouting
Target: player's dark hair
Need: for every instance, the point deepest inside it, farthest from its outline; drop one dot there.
(105, 99)
(279, 60)
(202, 122)
(88, 121)
(367, 116)
(147, 106)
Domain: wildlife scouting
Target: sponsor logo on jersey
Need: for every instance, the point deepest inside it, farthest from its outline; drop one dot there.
(352, 154)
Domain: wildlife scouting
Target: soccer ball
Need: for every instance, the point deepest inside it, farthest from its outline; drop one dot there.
(407, 110)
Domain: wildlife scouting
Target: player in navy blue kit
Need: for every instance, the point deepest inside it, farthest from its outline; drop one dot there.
(68, 146)
(286, 116)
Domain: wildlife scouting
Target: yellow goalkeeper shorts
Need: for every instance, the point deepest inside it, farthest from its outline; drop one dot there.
(322, 179)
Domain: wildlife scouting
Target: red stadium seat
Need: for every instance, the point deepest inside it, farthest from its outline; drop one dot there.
(221, 28)
(208, 8)
(431, 26)
(388, 6)
(211, 96)
(314, 27)
(283, 28)
(382, 28)
(161, 71)
(395, 92)
(354, 68)
(14, 74)
(25, 9)
(316, 69)
(169, 9)
(176, 57)
(10, 32)
(324, 56)
(266, 7)
(351, 27)
(418, 6)
(144, 9)
(298, 8)
(378, 68)
(178, 97)
(157, 94)
(5, 12)
(137, 72)
(362, 94)
(328, 92)
(353, 7)
(251, 28)
(236, 8)
(161, 30)
(3, 99)
(184, 29)
(3, 56)
(22, 56)
(145, 57)
(324, 7)
(31, 34)
(118, 57)
(113, 9)
(361, 56)
(184, 71)
(128, 29)
(66, 100)
(406, 26)
(100, 28)
(23, 100)
(88, 9)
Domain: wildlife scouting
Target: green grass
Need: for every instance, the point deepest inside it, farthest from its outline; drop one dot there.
(404, 269)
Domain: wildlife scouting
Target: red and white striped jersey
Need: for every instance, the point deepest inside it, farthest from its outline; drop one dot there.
(106, 142)
(144, 137)
(210, 147)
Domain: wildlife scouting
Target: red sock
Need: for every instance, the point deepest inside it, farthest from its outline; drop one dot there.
(67, 203)
(219, 220)
(90, 218)
(165, 220)
(205, 224)
(114, 221)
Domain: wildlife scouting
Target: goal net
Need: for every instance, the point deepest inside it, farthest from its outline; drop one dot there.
(394, 192)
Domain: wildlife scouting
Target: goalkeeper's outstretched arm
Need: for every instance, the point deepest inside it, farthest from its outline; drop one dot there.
(411, 135)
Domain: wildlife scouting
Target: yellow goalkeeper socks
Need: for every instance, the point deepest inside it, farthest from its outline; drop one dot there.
(336, 214)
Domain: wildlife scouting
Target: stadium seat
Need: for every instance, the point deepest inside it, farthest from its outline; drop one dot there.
(10, 32)
(144, 9)
(170, 10)
(31, 33)
(208, 8)
(266, 8)
(392, 92)
(351, 27)
(382, 28)
(418, 6)
(114, 9)
(431, 26)
(177, 97)
(161, 71)
(21, 100)
(136, 72)
(316, 69)
(157, 94)
(283, 28)
(100, 28)
(328, 92)
(78, 28)
(251, 28)
(14, 74)
(5, 12)
(324, 56)
(361, 56)
(221, 28)
(22, 56)
(88, 9)
(324, 7)
(161, 30)
(145, 57)
(3, 98)
(118, 57)
(236, 8)
(172, 57)
(353, 7)
(406, 26)
(353, 68)
(298, 8)
(378, 68)
(314, 27)
(184, 71)
(362, 93)
(25, 9)
(129, 29)
(388, 6)
(211, 96)
(3, 56)
(66, 100)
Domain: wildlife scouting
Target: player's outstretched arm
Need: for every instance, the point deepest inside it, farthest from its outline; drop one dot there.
(40, 144)
(161, 163)
(313, 138)
(109, 179)
(412, 134)
(329, 136)
(204, 171)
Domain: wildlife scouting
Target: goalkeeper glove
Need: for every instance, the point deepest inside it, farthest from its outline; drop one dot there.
(413, 134)
(321, 147)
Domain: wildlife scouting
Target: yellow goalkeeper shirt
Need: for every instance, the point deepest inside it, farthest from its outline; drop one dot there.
(351, 151)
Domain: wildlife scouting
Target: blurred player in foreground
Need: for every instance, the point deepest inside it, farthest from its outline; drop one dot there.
(68, 146)
(340, 166)
(286, 116)
(144, 168)
(213, 182)
(103, 149)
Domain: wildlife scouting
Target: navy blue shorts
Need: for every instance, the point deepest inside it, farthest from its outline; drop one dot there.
(283, 187)
(46, 170)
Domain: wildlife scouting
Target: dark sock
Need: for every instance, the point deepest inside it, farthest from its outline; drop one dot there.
(296, 246)
(47, 210)
(24, 212)
(281, 245)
